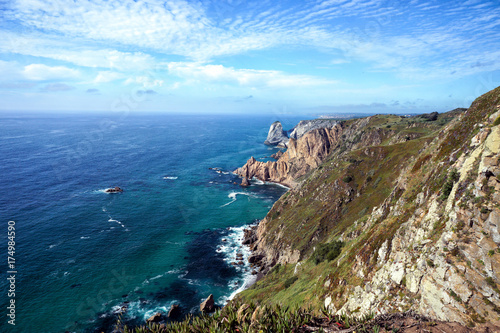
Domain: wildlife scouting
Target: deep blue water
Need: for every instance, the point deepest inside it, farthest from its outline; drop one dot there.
(82, 254)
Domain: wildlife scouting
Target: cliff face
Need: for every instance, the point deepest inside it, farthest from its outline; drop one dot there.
(301, 156)
(416, 203)
(305, 126)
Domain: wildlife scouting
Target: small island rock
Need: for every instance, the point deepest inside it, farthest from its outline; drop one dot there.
(116, 189)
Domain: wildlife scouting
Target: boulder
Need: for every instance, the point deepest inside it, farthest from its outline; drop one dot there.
(255, 258)
(208, 305)
(175, 311)
(156, 318)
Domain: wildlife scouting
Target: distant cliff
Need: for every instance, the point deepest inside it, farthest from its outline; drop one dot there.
(301, 156)
(280, 138)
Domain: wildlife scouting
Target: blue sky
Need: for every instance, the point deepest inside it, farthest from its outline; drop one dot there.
(247, 56)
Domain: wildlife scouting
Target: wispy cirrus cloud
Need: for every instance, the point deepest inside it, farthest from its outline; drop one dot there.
(192, 30)
(182, 45)
(243, 77)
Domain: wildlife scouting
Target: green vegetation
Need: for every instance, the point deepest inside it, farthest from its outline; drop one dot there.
(448, 186)
(328, 251)
(489, 280)
(497, 121)
(254, 318)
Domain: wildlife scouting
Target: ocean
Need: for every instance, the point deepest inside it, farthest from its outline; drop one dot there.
(83, 257)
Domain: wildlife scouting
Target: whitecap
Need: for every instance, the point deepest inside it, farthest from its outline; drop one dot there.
(84, 237)
(54, 245)
(260, 182)
(232, 246)
(171, 178)
(156, 277)
(113, 220)
(233, 195)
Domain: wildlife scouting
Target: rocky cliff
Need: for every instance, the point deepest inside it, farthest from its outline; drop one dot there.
(415, 203)
(305, 126)
(301, 156)
(280, 138)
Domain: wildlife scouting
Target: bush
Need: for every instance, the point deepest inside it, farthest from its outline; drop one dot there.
(290, 281)
(496, 122)
(328, 251)
(347, 179)
(448, 186)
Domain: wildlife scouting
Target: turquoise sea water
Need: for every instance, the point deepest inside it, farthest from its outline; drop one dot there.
(83, 255)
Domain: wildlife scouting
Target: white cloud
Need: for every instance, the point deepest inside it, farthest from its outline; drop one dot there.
(203, 31)
(107, 76)
(243, 77)
(71, 51)
(145, 81)
(40, 72)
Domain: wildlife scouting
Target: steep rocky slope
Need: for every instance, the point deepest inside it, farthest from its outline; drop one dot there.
(415, 203)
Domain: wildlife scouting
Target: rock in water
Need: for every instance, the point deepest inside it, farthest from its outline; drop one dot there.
(276, 136)
(208, 305)
(116, 189)
(156, 318)
(245, 182)
(175, 311)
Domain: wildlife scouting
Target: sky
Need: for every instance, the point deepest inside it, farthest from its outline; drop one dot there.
(289, 57)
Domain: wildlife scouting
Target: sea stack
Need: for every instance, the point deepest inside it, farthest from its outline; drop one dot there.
(276, 135)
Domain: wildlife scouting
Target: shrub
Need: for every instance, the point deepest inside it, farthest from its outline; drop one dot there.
(448, 186)
(347, 179)
(290, 281)
(328, 251)
(497, 121)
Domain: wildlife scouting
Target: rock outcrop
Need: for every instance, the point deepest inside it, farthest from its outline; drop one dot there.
(305, 126)
(208, 305)
(156, 318)
(276, 136)
(175, 312)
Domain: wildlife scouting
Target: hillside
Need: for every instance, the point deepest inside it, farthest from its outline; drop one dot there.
(414, 203)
